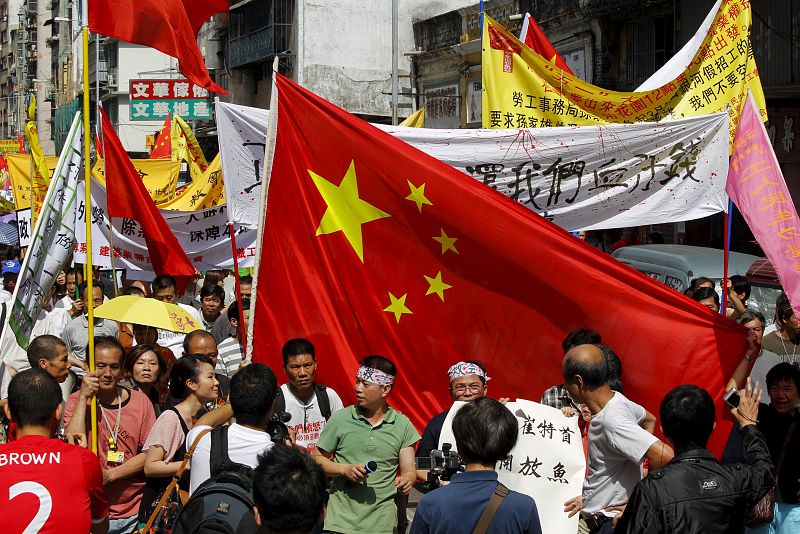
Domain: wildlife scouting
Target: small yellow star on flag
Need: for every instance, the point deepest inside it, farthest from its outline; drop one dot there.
(447, 242)
(346, 211)
(398, 307)
(417, 196)
(436, 285)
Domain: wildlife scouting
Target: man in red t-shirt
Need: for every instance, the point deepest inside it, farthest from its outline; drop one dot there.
(124, 419)
(46, 485)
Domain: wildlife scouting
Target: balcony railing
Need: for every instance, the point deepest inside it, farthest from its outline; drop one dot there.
(259, 45)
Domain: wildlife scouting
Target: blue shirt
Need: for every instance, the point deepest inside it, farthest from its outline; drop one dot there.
(457, 507)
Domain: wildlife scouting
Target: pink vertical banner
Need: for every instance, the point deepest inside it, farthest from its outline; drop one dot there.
(757, 187)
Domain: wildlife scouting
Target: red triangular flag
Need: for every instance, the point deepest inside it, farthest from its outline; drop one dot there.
(404, 256)
(161, 24)
(128, 197)
(163, 144)
(537, 41)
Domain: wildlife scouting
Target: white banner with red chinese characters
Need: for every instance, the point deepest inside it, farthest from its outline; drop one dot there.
(547, 462)
(581, 178)
(204, 235)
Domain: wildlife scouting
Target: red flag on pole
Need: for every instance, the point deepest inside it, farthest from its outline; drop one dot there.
(537, 41)
(165, 25)
(163, 145)
(128, 197)
(373, 247)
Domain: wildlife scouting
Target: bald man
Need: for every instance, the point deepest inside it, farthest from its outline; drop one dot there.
(620, 438)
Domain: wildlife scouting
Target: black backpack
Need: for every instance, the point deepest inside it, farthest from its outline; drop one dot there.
(320, 391)
(223, 504)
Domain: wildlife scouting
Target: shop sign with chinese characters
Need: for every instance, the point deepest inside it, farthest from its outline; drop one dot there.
(156, 99)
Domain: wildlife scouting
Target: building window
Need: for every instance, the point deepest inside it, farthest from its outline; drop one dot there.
(650, 45)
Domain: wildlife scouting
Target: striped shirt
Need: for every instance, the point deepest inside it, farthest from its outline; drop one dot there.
(230, 356)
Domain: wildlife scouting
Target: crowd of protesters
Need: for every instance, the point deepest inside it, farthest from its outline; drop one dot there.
(161, 394)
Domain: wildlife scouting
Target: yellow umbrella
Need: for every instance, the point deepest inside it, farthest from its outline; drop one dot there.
(150, 312)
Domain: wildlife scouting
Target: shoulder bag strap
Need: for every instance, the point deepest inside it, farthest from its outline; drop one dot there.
(323, 401)
(218, 456)
(785, 447)
(500, 493)
(175, 478)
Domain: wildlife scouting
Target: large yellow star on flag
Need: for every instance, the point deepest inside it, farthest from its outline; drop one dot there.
(436, 285)
(398, 307)
(346, 211)
(447, 242)
(417, 196)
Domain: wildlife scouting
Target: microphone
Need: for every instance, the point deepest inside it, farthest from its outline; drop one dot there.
(371, 466)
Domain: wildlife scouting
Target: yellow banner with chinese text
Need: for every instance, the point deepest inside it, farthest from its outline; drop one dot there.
(186, 148)
(160, 177)
(202, 194)
(524, 90)
(19, 174)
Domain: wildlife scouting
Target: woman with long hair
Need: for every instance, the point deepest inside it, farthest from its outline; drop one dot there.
(193, 383)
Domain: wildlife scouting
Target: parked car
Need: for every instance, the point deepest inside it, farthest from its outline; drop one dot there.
(677, 265)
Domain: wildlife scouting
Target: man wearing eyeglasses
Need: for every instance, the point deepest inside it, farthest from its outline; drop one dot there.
(467, 382)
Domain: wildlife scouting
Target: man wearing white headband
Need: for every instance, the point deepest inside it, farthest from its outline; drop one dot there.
(467, 382)
(361, 448)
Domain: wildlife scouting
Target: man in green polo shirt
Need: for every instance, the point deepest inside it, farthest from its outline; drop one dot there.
(362, 501)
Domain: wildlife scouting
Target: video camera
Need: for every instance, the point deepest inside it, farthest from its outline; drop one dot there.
(441, 465)
(277, 429)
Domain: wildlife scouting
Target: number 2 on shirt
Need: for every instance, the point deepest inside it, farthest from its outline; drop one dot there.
(45, 503)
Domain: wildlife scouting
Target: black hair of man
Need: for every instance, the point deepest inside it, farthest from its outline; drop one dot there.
(108, 342)
(95, 284)
(751, 315)
(297, 347)
(163, 281)
(212, 290)
(253, 391)
(233, 309)
(783, 310)
(699, 280)
(44, 348)
(245, 280)
(614, 368)
(687, 417)
(133, 291)
(485, 431)
(593, 371)
(33, 397)
(783, 371)
(740, 284)
(187, 340)
(581, 336)
(289, 491)
(703, 293)
(380, 363)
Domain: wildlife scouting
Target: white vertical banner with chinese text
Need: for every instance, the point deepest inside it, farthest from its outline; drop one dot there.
(203, 235)
(547, 463)
(50, 246)
(581, 178)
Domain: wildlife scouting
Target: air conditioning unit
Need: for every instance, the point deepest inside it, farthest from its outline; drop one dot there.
(5, 18)
(112, 82)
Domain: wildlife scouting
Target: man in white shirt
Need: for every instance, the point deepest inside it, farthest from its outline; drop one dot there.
(620, 438)
(310, 404)
(253, 391)
(165, 289)
(10, 273)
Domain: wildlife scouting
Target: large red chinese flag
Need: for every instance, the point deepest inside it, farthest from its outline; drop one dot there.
(128, 197)
(373, 247)
(167, 25)
(537, 41)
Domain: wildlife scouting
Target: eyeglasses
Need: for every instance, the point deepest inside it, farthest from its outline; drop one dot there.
(472, 388)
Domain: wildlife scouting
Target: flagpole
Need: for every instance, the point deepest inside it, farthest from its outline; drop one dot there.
(728, 217)
(87, 177)
(269, 151)
(238, 298)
